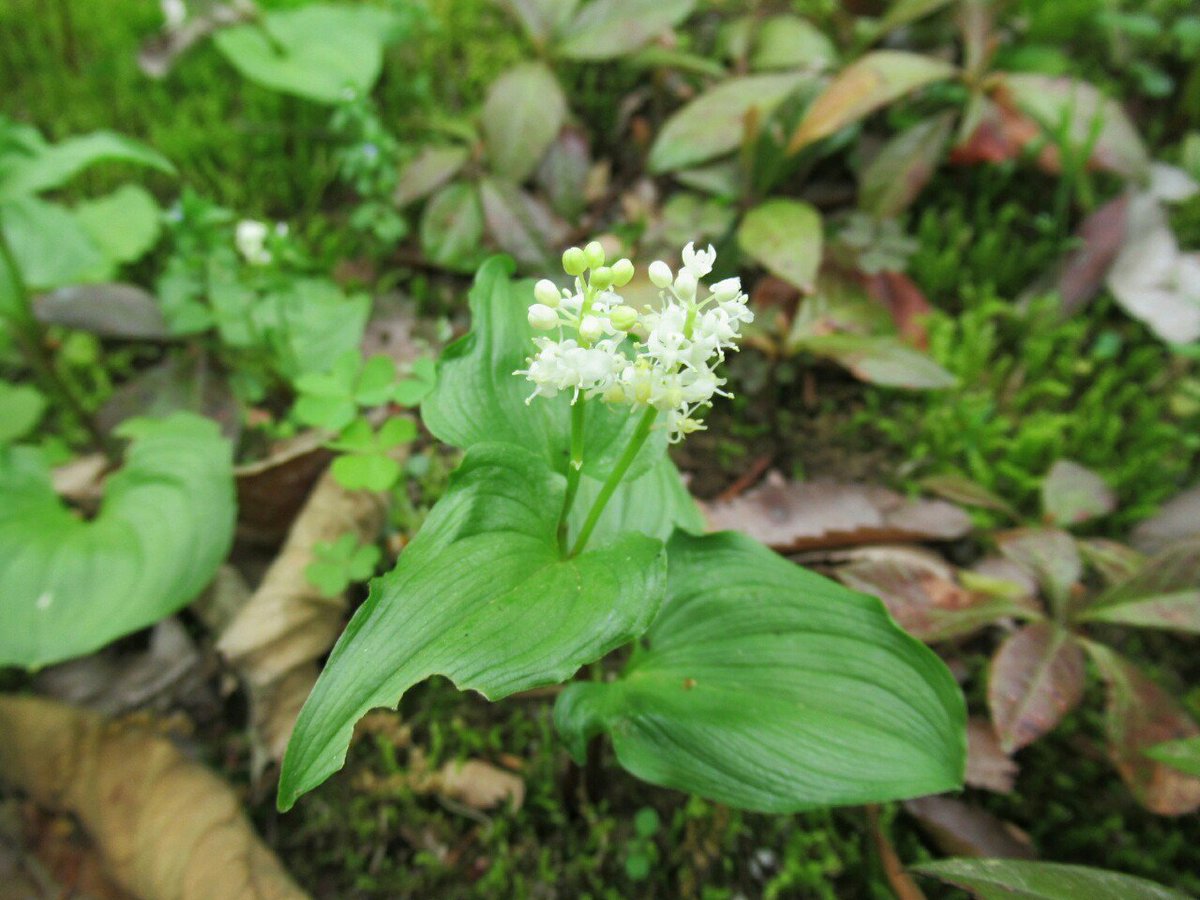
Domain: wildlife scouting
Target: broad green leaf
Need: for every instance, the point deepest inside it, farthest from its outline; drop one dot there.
(770, 688)
(70, 585)
(904, 166)
(1140, 715)
(54, 165)
(431, 169)
(1084, 117)
(1015, 879)
(479, 399)
(51, 247)
(375, 381)
(784, 236)
(452, 227)
(655, 504)
(1164, 594)
(879, 360)
(124, 225)
(310, 323)
(789, 42)
(607, 28)
(1037, 677)
(482, 597)
(864, 86)
(1183, 755)
(523, 112)
(21, 408)
(1072, 494)
(318, 52)
(715, 122)
(366, 471)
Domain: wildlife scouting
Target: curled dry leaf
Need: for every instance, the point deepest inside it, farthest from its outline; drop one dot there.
(287, 624)
(988, 766)
(960, 829)
(168, 828)
(1072, 494)
(923, 592)
(1141, 715)
(1037, 677)
(789, 515)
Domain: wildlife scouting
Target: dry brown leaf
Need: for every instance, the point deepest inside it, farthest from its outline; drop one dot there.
(988, 766)
(791, 516)
(960, 829)
(904, 301)
(288, 624)
(270, 492)
(481, 785)
(168, 828)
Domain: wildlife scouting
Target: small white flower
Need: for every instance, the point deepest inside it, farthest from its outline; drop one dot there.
(250, 240)
(698, 262)
(660, 274)
(726, 290)
(546, 293)
(685, 285)
(542, 317)
(591, 329)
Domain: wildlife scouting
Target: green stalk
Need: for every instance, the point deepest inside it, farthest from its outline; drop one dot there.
(614, 478)
(32, 339)
(574, 471)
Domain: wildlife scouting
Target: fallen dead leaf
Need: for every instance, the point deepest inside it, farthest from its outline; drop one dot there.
(168, 828)
(271, 491)
(481, 785)
(902, 884)
(276, 638)
(790, 516)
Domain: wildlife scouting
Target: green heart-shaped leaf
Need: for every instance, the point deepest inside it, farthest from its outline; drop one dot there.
(770, 688)
(483, 597)
(71, 586)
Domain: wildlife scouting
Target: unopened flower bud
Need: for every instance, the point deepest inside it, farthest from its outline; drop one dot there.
(546, 293)
(660, 274)
(727, 289)
(591, 328)
(574, 262)
(602, 277)
(622, 271)
(685, 285)
(623, 317)
(594, 254)
(542, 317)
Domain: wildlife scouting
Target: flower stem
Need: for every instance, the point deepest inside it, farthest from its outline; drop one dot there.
(32, 340)
(614, 478)
(574, 470)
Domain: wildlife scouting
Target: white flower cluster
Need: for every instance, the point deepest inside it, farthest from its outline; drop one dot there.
(675, 345)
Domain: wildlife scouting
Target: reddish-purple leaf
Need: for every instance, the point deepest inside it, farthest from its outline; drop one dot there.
(1037, 677)
(1165, 593)
(1141, 715)
(922, 592)
(1072, 494)
(1100, 237)
(960, 829)
(1050, 555)
(988, 766)
(1178, 518)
